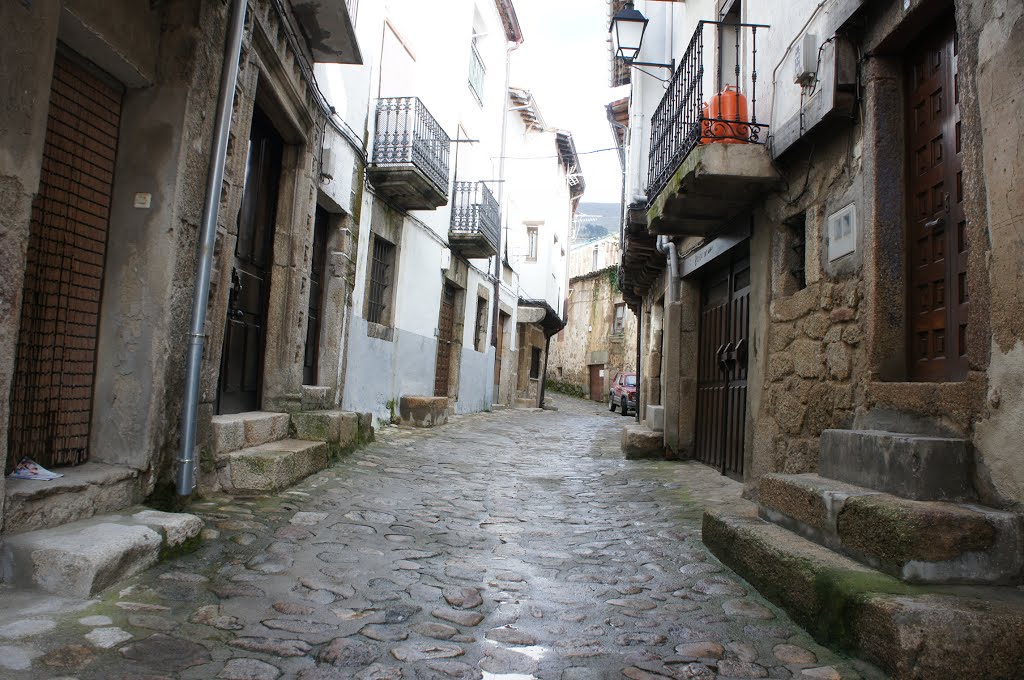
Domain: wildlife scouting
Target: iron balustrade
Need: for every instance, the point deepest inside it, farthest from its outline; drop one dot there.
(476, 211)
(684, 118)
(407, 135)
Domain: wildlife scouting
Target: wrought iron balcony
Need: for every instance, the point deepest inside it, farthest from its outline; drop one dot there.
(476, 220)
(686, 118)
(409, 165)
(707, 154)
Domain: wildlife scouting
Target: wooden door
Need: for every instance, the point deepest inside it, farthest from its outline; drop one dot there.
(937, 241)
(317, 265)
(446, 335)
(723, 344)
(244, 337)
(499, 349)
(597, 392)
(51, 391)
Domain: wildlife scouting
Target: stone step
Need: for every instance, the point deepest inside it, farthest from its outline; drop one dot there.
(639, 441)
(237, 431)
(919, 632)
(341, 430)
(913, 466)
(270, 467)
(84, 557)
(917, 541)
(84, 490)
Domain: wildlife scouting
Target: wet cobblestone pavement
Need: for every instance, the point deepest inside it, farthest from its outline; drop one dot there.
(511, 545)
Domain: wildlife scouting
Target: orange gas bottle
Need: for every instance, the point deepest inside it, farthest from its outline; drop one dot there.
(728, 105)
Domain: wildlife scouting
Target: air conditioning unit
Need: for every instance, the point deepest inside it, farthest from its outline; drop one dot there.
(805, 60)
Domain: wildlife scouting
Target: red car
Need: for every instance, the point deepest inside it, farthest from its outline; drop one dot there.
(623, 393)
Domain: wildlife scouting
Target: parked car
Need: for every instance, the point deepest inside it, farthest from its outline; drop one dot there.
(623, 393)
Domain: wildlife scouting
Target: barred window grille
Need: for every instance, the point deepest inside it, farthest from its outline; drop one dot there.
(381, 268)
(477, 70)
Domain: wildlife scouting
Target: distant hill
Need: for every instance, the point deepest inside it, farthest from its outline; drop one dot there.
(596, 221)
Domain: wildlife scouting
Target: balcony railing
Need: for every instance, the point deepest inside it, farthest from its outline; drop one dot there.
(476, 220)
(685, 118)
(409, 147)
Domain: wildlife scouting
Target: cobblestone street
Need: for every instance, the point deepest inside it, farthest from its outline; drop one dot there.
(515, 545)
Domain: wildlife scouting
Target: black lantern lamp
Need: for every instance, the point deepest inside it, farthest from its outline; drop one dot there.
(627, 33)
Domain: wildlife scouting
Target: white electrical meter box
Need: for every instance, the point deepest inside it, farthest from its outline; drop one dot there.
(805, 59)
(842, 232)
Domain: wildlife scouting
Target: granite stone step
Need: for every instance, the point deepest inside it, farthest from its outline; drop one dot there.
(237, 431)
(913, 466)
(270, 467)
(919, 632)
(341, 430)
(82, 558)
(917, 541)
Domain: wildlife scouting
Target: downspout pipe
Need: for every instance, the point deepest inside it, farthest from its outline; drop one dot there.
(544, 373)
(185, 478)
(667, 248)
(498, 259)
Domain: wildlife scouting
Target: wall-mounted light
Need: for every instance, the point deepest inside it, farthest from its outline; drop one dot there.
(627, 33)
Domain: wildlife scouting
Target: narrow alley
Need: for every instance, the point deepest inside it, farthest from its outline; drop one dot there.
(515, 544)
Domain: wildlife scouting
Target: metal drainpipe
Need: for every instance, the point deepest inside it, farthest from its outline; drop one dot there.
(668, 248)
(186, 473)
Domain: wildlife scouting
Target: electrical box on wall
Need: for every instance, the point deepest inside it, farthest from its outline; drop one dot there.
(842, 232)
(805, 60)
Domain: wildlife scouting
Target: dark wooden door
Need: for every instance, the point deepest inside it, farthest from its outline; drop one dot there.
(937, 239)
(597, 392)
(723, 344)
(51, 391)
(446, 335)
(318, 262)
(242, 364)
(499, 348)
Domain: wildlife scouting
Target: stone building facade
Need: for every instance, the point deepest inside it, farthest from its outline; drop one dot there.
(106, 151)
(839, 272)
(599, 338)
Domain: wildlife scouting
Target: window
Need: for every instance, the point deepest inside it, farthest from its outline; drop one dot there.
(593, 264)
(476, 72)
(619, 322)
(531, 248)
(480, 335)
(629, 379)
(381, 270)
(535, 363)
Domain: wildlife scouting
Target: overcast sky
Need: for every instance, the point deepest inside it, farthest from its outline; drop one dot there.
(564, 62)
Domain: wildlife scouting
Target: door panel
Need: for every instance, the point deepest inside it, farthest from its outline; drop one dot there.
(318, 262)
(446, 328)
(51, 390)
(597, 383)
(244, 337)
(937, 301)
(722, 366)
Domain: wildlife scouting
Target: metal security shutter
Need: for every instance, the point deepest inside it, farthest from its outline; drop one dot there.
(51, 396)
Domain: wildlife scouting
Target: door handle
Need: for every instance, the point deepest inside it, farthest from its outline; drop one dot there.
(937, 222)
(725, 355)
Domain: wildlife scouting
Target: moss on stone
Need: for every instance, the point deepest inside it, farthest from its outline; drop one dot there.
(190, 545)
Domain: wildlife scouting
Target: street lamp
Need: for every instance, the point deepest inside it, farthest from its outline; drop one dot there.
(627, 33)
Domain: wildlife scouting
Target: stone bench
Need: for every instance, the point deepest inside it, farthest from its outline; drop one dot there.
(423, 411)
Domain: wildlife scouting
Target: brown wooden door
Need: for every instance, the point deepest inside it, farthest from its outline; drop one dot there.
(317, 266)
(499, 349)
(937, 239)
(242, 362)
(446, 335)
(597, 382)
(723, 344)
(51, 393)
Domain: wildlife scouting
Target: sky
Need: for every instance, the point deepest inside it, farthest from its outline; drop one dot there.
(564, 62)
